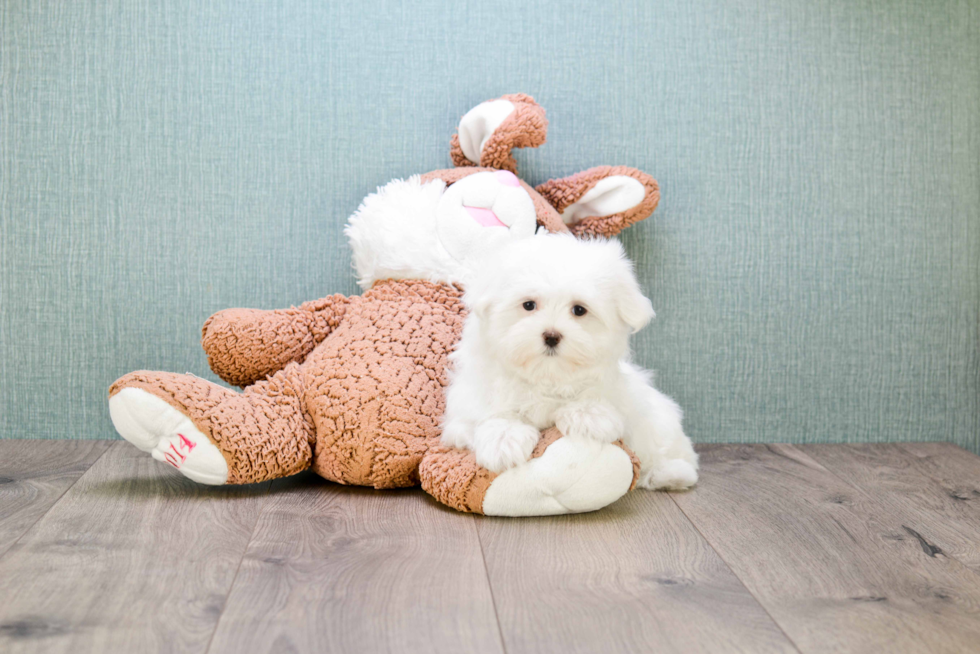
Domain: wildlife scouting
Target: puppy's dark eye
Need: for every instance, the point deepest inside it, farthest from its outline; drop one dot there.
(530, 305)
(579, 310)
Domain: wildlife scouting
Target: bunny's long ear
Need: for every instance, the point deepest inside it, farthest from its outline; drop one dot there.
(602, 201)
(489, 131)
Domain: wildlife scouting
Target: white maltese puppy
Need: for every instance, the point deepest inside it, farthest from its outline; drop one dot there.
(546, 343)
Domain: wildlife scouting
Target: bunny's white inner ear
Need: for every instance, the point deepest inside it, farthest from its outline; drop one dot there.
(610, 195)
(479, 124)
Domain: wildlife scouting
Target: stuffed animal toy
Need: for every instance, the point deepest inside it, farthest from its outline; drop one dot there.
(352, 387)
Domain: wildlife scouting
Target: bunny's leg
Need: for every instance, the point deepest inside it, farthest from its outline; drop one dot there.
(564, 475)
(214, 435)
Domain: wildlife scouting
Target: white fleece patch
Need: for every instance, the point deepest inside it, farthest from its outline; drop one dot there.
(169, 436)
(572, 476)
(609, 196)
(479, 124)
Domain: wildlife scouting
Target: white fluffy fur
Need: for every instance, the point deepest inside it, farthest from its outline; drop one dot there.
(411, 230)
(393, 235)
(507, 384)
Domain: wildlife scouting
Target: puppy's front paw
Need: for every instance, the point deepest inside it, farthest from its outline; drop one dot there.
(674, 474)
(597, 420)
(500, 444)
(456, 433)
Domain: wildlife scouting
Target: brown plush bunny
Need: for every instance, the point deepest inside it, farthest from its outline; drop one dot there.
(353, 386)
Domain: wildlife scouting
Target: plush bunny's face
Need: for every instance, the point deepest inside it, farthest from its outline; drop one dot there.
(442, 226)
(483, 211)
(416, 229)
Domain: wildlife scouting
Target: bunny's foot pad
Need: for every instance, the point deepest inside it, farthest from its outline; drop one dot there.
(156, 427)
(564, 475)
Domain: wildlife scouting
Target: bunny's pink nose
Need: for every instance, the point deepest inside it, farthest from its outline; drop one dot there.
(507, 178)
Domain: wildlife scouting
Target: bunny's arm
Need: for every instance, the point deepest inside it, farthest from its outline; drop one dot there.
(247, 345)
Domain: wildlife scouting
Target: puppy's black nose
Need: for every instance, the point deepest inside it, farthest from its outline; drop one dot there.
(552, 339)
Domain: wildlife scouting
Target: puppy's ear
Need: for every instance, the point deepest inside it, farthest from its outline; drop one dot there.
(634, 307)
(489, 131)
(602, 201)
(477, 297)
(480, 305)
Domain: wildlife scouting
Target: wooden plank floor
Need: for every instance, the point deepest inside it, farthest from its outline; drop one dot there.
(819, 548)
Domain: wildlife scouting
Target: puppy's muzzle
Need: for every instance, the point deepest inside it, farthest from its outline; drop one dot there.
(551, 339)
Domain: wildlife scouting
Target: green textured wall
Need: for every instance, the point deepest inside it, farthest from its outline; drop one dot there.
(814, 262)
